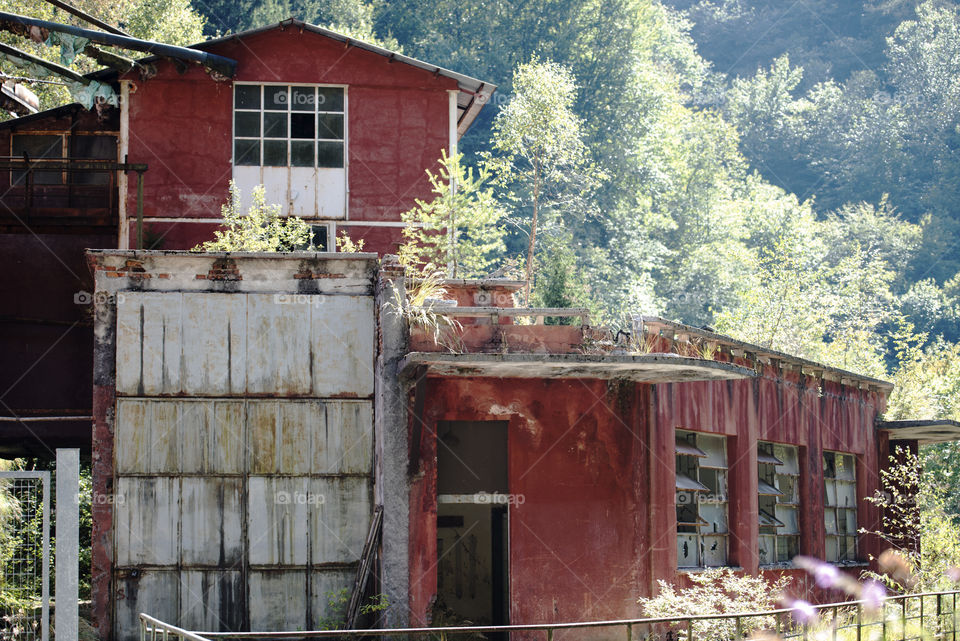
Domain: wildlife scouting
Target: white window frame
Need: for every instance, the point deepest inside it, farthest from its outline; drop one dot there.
(289, 86)
(702, 499)
(779, 500)
(840, 502)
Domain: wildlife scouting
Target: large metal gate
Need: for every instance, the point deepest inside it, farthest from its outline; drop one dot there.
(25, 556)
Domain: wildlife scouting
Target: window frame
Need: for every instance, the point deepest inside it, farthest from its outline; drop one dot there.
(288, 139)
(777, 464)
(66, 146)
(704, 496)
(845, 553)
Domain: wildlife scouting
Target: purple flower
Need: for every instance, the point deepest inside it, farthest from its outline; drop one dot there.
(826, 575)
(803, 612)
(872, 594)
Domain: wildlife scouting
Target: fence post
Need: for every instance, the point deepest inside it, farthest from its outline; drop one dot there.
(68, 545)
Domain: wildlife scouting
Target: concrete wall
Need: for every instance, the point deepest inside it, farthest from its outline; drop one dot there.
(234, 431)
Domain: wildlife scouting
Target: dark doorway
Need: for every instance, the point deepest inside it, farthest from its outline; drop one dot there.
(472, 523)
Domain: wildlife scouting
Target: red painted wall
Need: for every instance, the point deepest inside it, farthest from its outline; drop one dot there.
(181, 126)
(595, 463)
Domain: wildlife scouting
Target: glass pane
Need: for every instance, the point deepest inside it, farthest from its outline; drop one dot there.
(330, 126)
(304, 99)
(330, 154)
(301, 153)
(246, 96)
(329, 99)
(274, 153)
(38, 147)
(320, 240)
(301, 126)
(274, 125)
(275, 98)
(246, 152)
(102, 147)
(246, 124)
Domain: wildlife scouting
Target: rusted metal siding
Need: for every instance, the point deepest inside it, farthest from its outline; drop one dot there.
(242, 446)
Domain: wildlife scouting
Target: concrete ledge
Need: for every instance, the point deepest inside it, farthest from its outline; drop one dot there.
(640, 368)
(924, 432)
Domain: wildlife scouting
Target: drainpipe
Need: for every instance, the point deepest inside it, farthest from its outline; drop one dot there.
(123, 238)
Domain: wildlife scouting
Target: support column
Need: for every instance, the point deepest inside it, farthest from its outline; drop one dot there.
(392, 484)
(68, 545)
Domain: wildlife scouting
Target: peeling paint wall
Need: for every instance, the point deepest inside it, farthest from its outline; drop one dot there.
(238, 452)
(594, 463)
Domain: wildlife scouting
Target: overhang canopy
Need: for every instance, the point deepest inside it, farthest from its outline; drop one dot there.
(644, 368)
(924, 432)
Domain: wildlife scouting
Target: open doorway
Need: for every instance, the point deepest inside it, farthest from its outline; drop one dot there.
(472, 522)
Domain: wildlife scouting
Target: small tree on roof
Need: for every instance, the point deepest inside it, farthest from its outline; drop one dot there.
(261, 229)
(460, 228)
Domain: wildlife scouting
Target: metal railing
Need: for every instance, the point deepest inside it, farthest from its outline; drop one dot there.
(929, 615)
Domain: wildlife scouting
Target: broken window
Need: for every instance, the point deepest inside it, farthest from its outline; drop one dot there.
(778, 475)
(288, 126)
(701, 498)
(840, 507)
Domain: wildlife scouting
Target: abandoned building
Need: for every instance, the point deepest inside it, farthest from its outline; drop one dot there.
(257, 411)
(269, 430)
(339, 132)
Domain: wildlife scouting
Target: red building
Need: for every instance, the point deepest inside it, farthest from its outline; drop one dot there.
(339, 132)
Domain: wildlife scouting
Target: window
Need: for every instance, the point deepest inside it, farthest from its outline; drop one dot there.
(38, 146)
(701, 484)
(778, 475)
(840, 506)
(319, 240)
(288, 126)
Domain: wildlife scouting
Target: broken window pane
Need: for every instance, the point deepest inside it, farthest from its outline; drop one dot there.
(301, 126)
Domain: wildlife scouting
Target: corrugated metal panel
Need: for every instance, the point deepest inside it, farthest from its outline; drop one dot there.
(211, 532)
(278, 520)
(213, 335)
(338, 525)
(278, 600)
(243, 453)
(207, 344)
(146, 520)
(212, 600)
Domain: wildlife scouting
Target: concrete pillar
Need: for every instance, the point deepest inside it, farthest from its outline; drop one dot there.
(68, 545)
(392, 484)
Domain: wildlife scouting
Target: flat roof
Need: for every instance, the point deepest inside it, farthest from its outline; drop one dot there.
(759, 351)
(642, 368)
(925, 432)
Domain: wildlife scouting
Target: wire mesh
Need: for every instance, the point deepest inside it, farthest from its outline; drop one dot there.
(24, 558)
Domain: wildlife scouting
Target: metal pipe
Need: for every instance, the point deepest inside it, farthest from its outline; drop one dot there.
(87, 17)
(42, 419)
(46, 64)
(139, 210)
(220, 64)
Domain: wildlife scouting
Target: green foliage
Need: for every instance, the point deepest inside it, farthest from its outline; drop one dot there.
(335, 617)
(717, 591)
(261, 229)
(460, 227)
(170, 21)
(542, 158)
(916, 525)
